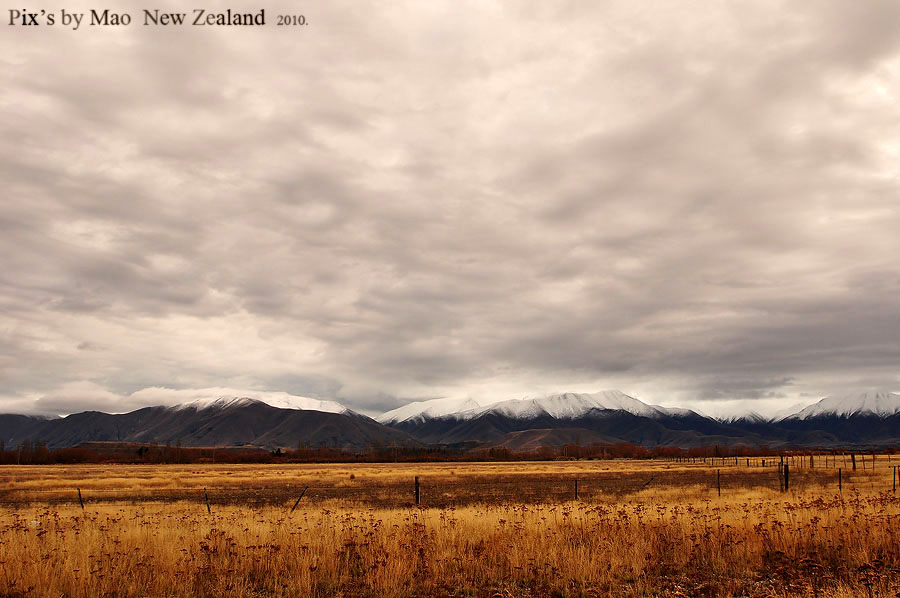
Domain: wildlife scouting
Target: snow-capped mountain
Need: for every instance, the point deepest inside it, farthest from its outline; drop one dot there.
(422, 410)
(281, 402)
(878, 403)
(787, 412)
(568, 405)
(750, 417)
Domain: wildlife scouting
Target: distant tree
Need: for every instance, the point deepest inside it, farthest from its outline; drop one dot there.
(41, 452)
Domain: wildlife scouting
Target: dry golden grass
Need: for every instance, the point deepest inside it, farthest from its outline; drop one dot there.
(22, 482)
(663, 540)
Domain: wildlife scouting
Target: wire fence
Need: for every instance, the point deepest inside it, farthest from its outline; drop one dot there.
(447, 491)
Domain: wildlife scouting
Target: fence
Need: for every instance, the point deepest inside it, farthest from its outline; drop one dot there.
(445, 491)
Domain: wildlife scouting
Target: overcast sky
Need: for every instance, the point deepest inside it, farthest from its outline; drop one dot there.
(694, 202)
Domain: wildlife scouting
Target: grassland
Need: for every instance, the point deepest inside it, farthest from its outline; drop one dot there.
(501, 530)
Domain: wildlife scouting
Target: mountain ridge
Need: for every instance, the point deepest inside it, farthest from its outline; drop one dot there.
(558, 405)
(878, 402)
(867, 418)
(233, 422)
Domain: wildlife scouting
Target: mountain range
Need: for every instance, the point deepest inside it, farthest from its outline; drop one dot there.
(867, 419)
(224, 421)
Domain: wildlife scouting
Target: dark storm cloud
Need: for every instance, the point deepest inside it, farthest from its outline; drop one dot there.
(692, 202)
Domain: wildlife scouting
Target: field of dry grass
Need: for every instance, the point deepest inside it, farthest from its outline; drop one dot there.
(391, 484)
(671, 537)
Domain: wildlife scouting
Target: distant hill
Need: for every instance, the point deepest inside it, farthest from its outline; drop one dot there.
(232, 422)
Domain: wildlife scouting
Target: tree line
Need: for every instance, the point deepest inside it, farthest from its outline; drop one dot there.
(35, 452)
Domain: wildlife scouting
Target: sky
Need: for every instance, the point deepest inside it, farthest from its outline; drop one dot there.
(694, 202)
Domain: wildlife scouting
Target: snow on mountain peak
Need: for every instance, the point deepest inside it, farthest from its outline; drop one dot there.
(572, 404)
(279, 400)
(560, 406)
(880, 403)
(213, 403)
(422, 410)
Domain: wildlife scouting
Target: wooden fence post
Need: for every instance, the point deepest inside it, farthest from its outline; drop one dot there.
(853, 460)
(840, 480)
(787, 477)
(80, 500)
(576, 488)
(298, 499)
(206, 496)
(719, 481)
(417, 489)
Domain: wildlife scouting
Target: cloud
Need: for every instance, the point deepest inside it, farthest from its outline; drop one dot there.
(693, 202)
(79, 396)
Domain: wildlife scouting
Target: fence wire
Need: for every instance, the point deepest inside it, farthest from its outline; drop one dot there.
(446, 491)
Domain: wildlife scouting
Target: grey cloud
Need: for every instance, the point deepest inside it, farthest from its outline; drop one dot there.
(755, 388)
